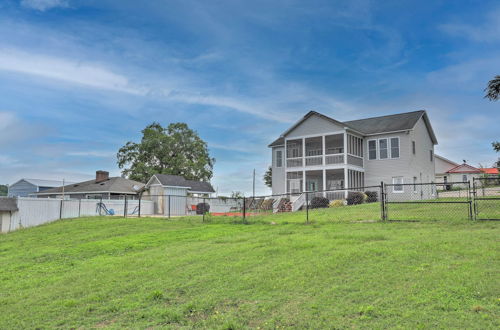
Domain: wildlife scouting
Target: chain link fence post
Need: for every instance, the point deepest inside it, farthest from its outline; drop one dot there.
(244, 210)
(383, 213)
(203, 210)
(139, 210)
(125, 207)
(307, 207)
(169, 206)
(79, 207)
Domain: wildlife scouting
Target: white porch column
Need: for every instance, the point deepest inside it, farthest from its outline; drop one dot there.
(303, 164)
(324, 176)
(324, 153)
(346, 178)
(346, 181)
(303, 181)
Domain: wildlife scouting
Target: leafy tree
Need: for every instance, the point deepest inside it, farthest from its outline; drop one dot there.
(236, 194)
(3, 190)
(493, 89)
(268, 177)
(176, 150)
(496, 146)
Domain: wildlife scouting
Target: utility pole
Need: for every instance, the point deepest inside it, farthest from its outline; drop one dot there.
(63, 189)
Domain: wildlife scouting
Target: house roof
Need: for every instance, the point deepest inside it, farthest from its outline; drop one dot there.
(464, 168)
(43, 183)
(492, 170)
(8, 204)
(179, 181)
(278, 142)
(113, 185)
(446, 160)
(374, 125)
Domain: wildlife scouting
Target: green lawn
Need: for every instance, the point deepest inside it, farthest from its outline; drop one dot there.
(181, 273)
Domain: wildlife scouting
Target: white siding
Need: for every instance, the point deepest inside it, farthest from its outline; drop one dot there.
(442, 166)
(176, 204)
(279, 175)
(314, 125)
(377, 170)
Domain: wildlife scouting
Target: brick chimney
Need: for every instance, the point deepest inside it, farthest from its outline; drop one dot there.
(101, 176)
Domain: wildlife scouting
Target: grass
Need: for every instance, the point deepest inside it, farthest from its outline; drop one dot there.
(181, 273)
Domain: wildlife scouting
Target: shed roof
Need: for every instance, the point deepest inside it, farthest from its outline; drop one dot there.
(8, 204)
(179, 181)
(112, 185)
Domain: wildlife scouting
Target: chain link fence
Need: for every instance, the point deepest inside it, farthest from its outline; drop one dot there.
(486, 195)
(394, 202)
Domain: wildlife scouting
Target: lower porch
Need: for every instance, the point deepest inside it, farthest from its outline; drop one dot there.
(324, 181)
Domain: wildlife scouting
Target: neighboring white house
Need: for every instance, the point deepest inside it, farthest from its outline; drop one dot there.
(173, 195)
(443, 165)
(27, 187)
(320, 153)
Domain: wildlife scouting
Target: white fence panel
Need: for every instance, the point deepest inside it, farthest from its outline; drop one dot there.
(34, 212)
(37, 211)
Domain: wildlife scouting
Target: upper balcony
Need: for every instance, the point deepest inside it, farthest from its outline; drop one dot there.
(324, 150)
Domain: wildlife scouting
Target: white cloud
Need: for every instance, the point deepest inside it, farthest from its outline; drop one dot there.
(87, 74)
(43, 5)
(96, 154)
(489, 31)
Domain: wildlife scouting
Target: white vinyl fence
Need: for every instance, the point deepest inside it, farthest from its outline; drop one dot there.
(37, 211)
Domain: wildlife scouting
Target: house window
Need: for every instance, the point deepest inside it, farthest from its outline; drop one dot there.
(432, 155)
(372, 149)
(279, 158)
(464, 178)
(383, 151)
(413, 147)
(397, 182)
(395, 147)
(414, 184)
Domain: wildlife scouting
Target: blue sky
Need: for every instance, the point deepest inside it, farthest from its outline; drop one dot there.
(78, 79)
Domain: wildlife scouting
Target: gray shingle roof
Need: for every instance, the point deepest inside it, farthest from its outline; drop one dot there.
(383, 124)
(179, 181)
(114, 184)
(374, 125)
(8, 204)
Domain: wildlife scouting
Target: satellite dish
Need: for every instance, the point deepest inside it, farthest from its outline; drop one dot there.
(136, 188)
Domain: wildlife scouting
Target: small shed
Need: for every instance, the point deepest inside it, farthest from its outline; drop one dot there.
(173, 194)
(7, 207)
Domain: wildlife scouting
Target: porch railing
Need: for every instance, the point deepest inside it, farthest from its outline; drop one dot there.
(294, 162)
(314, 161)
(334, 159)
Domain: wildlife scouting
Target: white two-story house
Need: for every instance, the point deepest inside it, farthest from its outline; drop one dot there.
(320, 153)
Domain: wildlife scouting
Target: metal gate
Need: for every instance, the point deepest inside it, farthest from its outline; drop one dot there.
(427, 201)
(486, 196)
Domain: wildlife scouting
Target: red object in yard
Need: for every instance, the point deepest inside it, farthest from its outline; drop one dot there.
(193, 207)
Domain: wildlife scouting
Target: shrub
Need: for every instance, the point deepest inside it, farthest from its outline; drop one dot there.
(355, 198)
(267, 204)
(336, 203)
(202, 208)
(372, 196)
(319, 202)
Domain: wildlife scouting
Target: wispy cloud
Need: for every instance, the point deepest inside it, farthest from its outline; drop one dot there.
(62, 69)
(96, 154)
(488, 31)
(43, 5)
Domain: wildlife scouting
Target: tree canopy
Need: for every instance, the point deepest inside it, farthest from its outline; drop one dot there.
(493, 89)
(268, 177)
(176, 150)
(3, 190)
